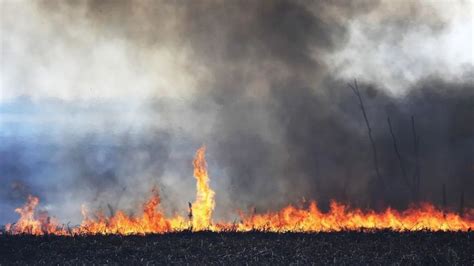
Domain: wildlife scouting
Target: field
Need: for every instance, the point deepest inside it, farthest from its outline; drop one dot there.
(383, 247)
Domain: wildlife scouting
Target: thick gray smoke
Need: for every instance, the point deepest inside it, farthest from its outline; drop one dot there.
(262, 83)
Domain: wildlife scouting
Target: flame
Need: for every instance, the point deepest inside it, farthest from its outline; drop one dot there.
(29, 223)
(340, 217)
(204, 205)
(151, 221)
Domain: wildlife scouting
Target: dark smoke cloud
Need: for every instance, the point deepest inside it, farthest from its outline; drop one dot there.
(322, 149)
(279, 123)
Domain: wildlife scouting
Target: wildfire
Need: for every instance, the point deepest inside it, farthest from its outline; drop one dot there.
(290, 219)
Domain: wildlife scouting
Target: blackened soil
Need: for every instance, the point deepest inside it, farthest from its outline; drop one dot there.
(352, 248)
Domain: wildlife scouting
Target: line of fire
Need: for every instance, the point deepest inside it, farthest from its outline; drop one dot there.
(340, 217)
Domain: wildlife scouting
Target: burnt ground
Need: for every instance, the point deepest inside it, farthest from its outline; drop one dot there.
(243, 248)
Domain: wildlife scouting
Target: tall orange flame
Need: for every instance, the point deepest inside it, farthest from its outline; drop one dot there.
(290, 219)
(204, 205)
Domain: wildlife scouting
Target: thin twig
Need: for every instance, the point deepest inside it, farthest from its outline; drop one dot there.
(417, 175)
(355, 89)
(397, 152)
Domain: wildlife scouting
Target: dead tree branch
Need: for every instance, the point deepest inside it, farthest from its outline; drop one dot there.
(417, 175)
(397, 152)
(355, 89)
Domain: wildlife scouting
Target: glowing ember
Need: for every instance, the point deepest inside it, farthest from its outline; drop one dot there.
(422, 217)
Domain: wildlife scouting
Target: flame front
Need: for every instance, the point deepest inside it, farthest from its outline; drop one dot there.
(289, 219)
(341, 218)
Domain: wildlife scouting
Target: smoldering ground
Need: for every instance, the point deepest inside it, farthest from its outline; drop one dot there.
(255, 82)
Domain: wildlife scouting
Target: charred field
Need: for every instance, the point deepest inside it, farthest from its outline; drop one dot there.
(378, 247)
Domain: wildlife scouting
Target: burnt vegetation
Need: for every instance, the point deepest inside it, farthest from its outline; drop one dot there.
(381, 247)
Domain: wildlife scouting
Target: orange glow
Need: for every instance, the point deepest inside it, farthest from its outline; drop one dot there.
(289, 219)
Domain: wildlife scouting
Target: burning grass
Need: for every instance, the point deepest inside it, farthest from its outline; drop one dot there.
(290, 219)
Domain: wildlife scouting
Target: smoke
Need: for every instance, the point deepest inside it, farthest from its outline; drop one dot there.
(102, 100)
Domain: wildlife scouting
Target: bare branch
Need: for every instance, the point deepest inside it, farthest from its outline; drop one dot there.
(417, 175)
(397, 152)
(355, 89)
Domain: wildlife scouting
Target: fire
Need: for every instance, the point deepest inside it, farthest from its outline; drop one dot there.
(204, 204)
(340, 217)
(29, 224)
(151, 221)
